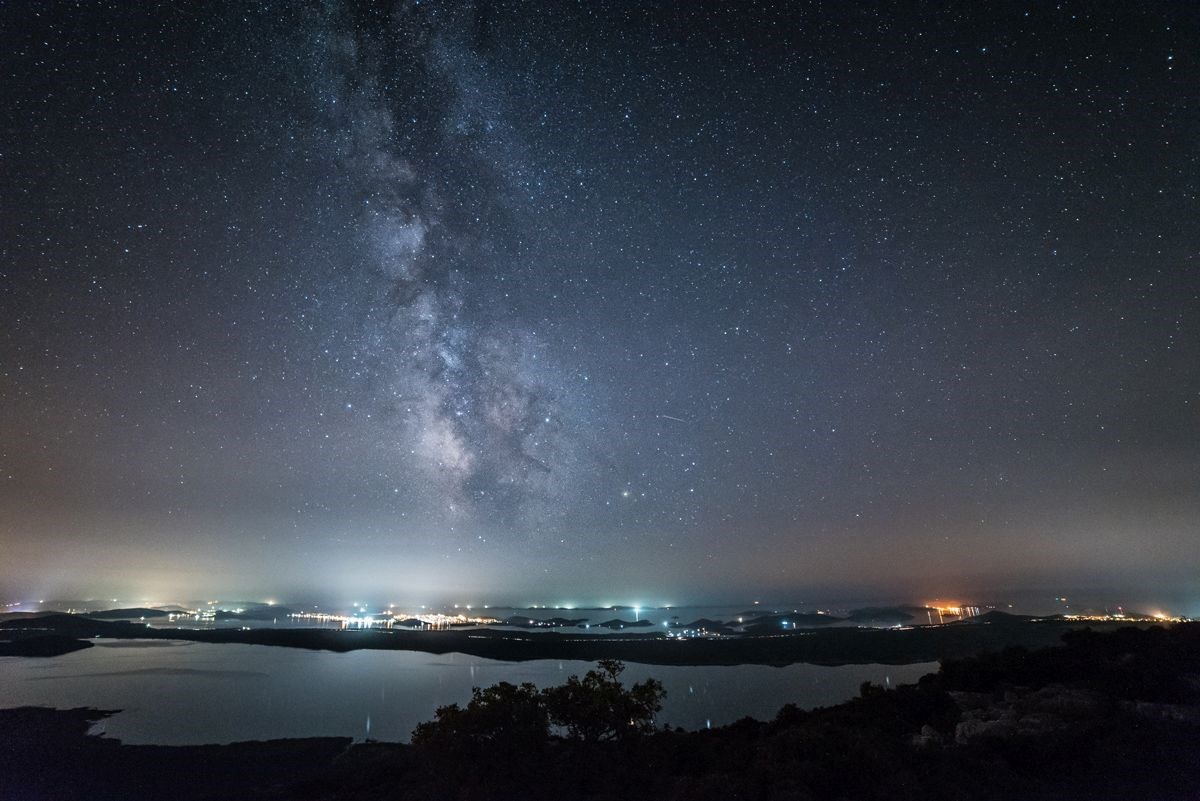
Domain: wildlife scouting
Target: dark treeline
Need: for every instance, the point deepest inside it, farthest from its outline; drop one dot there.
(1113, 715)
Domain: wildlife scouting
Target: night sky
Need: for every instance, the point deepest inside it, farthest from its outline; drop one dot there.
(599, 302)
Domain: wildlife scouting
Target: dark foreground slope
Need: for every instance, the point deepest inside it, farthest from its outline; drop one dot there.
(1104, 716)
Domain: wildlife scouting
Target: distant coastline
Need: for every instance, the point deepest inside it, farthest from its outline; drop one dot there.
(829, 646)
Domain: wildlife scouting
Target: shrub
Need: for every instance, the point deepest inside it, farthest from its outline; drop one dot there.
(597, 707)
(503, 718)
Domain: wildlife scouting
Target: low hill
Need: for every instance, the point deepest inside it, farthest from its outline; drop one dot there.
(796, 620)
(254, 613)
(69, 625)
(885, 614)
(134, 613)
(42, 645)
(617, 623)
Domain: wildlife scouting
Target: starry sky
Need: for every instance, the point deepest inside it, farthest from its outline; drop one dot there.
(599, 302)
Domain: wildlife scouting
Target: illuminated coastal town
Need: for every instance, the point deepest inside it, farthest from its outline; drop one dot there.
(758, 618)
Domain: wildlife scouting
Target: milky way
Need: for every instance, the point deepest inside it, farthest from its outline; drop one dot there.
(599, 302)
(460, 383)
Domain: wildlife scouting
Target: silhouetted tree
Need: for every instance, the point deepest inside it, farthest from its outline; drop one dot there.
(597, 707)
(503, 718)
(507, 718)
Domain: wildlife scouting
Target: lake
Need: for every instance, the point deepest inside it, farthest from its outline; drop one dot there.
(184, 693)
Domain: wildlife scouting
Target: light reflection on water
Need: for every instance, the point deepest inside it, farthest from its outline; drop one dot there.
(204, 693)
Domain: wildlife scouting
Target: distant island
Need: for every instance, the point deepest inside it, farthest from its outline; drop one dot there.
(43, 644)
(136, 613)
(766, 642)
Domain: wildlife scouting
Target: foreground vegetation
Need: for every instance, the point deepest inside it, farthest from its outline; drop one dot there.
(1103, 716)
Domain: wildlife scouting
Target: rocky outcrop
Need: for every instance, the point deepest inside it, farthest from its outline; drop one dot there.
(1173, 713)
(1024, 712)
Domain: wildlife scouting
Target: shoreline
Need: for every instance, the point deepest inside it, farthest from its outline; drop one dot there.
(827, 647)
(1101, 717)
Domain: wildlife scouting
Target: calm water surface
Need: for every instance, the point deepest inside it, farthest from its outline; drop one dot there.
(175, 693)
